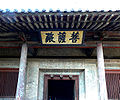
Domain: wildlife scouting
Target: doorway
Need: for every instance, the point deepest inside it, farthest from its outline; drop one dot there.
(61, 88)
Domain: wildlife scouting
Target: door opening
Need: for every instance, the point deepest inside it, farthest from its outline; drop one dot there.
(61, 89)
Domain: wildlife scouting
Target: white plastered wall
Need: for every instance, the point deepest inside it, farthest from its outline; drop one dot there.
(88, 82)
(86, 68)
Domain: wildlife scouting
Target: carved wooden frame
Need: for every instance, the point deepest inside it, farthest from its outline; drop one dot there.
(58, 77)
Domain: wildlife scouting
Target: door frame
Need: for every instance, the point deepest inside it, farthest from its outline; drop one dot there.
(60, 77)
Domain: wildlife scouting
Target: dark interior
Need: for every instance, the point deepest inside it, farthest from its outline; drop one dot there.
(61, 89)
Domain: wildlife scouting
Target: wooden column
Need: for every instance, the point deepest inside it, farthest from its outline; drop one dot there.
(101, 72)
(20, 92)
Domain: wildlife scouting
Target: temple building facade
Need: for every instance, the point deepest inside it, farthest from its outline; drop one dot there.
(60, 55)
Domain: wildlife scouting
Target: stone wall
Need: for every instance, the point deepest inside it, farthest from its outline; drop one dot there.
(85, 68)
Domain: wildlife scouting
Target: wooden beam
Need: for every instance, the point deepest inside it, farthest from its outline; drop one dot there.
(35, 44)
(46, 21)
(9, 69)
(40, 21)
(79, 19)
(73, 20)
(33, 51)
(87, 51)
(84, 24)
(51, 24)
(22, 36)
(61, 21)
(56, 19)
(20, 93)
(101, 72)
(67, 23)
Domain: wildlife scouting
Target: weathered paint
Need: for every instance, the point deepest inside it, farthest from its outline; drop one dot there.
(85, 68)
(101, 72)
(20, 93)
(37, 69)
